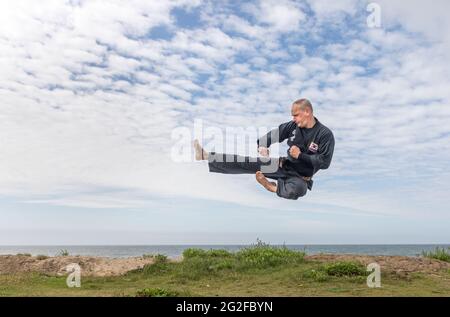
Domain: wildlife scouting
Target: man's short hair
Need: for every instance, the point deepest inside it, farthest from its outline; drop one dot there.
(303, 104)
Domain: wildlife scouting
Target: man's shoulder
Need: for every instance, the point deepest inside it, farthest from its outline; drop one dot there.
(324, 131)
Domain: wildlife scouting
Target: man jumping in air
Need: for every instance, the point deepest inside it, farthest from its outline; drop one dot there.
(311, 147)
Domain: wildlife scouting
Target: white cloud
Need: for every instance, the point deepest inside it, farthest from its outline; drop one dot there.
(283, 16)
(418, 16)
(324, 8)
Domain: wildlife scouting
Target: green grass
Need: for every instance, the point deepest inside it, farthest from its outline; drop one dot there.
(41, 257)
(156, 292)
(63, 253)
(438, 254)
(325, 272)
(157, 257)
(259, 270)
(345, 269)
(258, 256)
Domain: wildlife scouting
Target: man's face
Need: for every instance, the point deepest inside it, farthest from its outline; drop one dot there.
(299, 116)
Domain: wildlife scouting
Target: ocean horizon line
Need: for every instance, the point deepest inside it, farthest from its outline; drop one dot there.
(224, 244)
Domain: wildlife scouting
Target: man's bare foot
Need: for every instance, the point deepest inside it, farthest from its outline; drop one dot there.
(200, 154)
(270, 186)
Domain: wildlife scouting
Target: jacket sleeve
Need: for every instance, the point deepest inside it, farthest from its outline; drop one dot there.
(322, 159)
(277, 135)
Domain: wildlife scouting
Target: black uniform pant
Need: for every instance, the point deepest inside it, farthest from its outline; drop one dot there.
(290, 184)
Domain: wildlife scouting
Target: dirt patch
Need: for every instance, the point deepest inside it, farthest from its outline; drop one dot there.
(401, 265)
(56, 266)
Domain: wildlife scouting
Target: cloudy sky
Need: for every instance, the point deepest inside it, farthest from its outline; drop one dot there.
(92, 93)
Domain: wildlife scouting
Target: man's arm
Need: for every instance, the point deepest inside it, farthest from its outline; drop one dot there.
(277, 135)
(322, 159)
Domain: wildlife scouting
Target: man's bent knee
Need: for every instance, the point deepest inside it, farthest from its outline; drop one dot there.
(294, 195)
(291, 189)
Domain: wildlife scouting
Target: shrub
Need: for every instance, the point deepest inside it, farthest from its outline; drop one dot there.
(198, 267)
(345, 269)
(263, 256)
(317, 275)
(198, 263)
(156, 268)
(159, 265)
(41, 257)
(160, 259)
(192, 253)
(63, 252)
(441, 254)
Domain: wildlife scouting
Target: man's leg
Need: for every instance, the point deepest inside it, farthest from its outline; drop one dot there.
(291, 187)
(236, 164)
(200, 154)
(270, 186)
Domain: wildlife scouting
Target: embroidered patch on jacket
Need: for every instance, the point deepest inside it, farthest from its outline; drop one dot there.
(313, 147)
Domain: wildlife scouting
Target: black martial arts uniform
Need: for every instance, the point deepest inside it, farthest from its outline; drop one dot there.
(316, 145)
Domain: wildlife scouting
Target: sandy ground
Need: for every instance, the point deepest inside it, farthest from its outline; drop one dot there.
(90, 266)
(101, 266)
(400, 265)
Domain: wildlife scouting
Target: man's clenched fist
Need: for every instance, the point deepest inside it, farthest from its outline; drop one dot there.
(294, 151)
(263, 151)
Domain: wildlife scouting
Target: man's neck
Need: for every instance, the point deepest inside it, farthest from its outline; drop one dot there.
(312, 122)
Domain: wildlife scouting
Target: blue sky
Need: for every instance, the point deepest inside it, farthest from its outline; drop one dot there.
(92, 92)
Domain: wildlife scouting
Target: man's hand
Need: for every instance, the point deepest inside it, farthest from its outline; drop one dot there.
(263, 151)
(294, 151)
